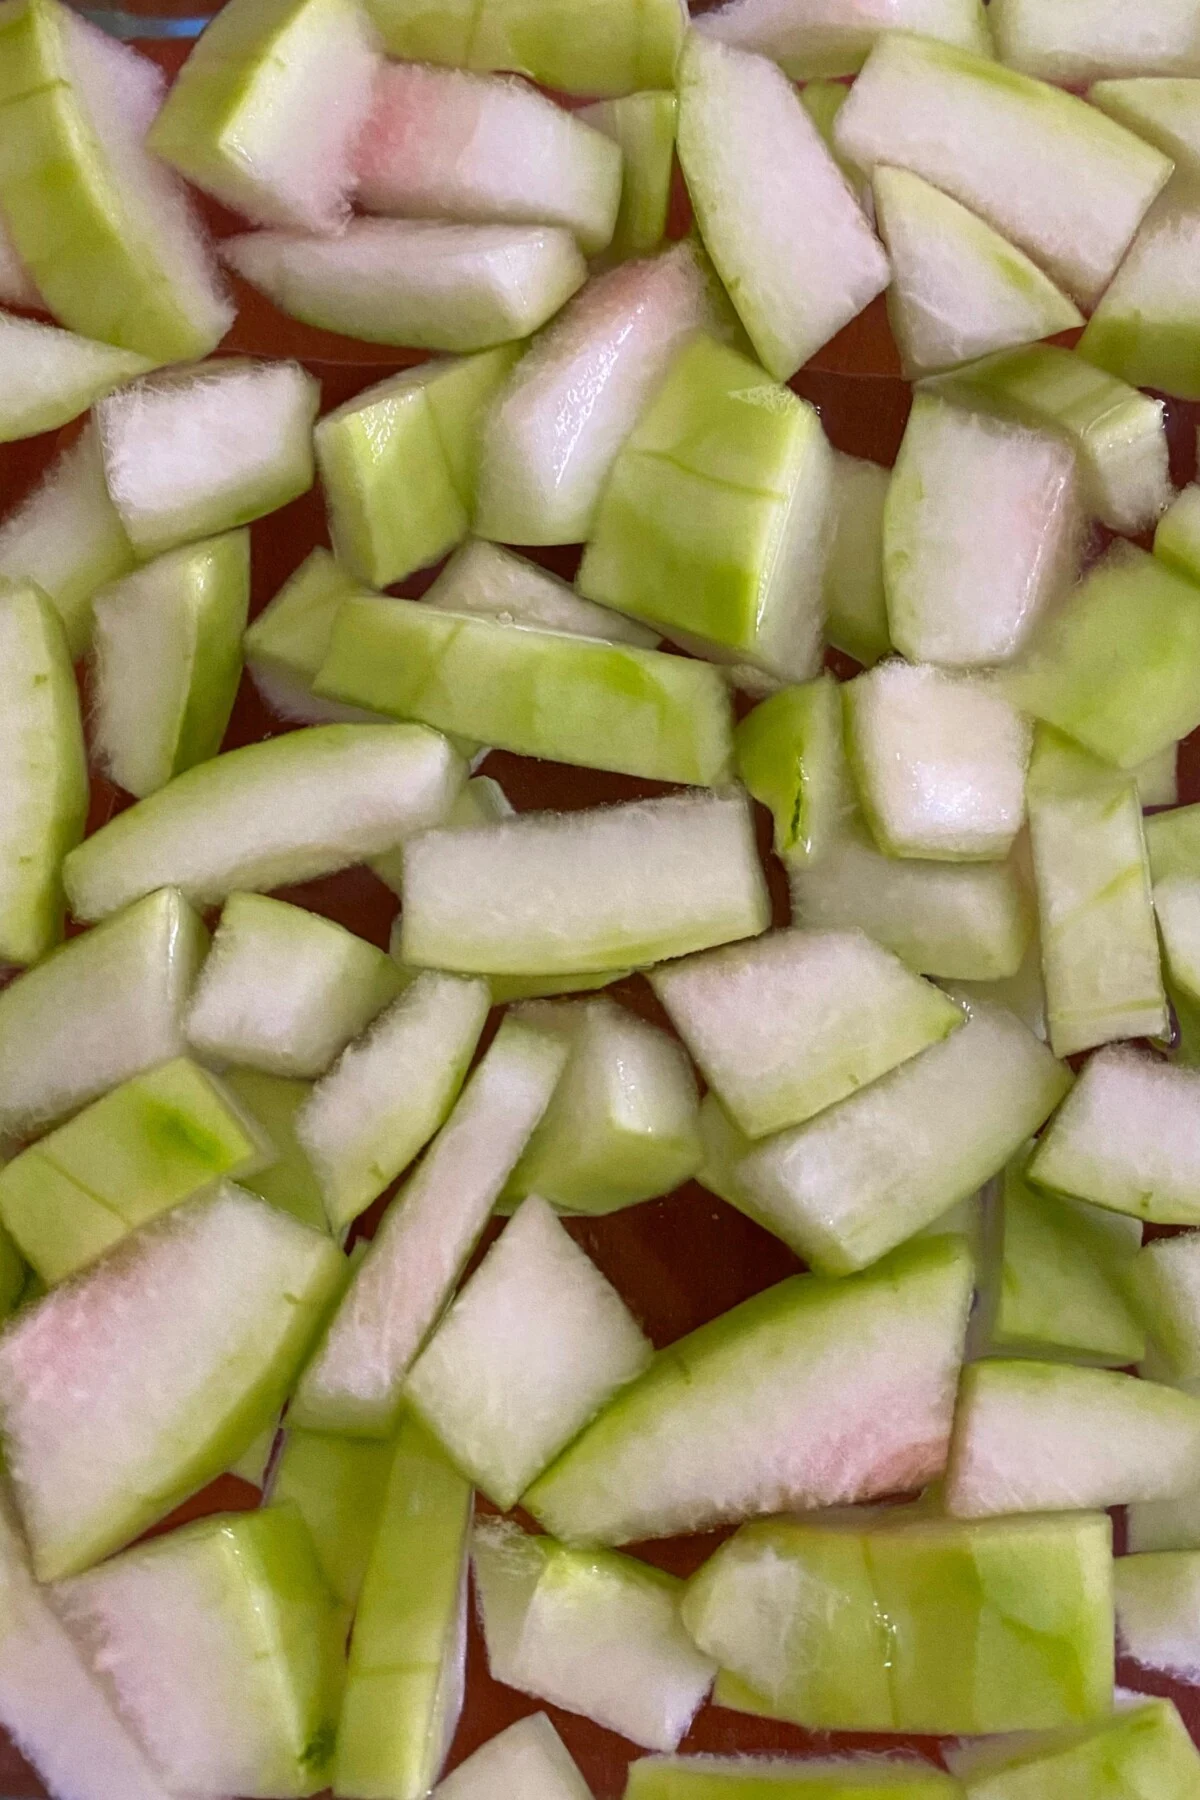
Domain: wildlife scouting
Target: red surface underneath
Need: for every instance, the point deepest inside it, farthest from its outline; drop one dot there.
(678, 1261)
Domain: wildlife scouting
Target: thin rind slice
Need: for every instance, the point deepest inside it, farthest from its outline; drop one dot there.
(406, 1675)
(423, 283)
(106, 232)
(838, 1416)
(287, 641)
(776, 214)
(1098, 943)
(127, 1389)
(286, 810)
(1144, 329)
(552, 695)
(643, 126)
(1077, 41)
(1141, 1749)
(355, 1380)
(44, 786)
(337, 1484)
(528, 1758)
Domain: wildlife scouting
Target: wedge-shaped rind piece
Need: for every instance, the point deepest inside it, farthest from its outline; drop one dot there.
(1144, 328)
(199, 450)
(573, 46)
(404, 1685)
(491, 582)
(838, 1415)
(1036, 1436)
(51, 376)
(105, 231)
(125, 1390)
(1117, 433)
(289, 1181)
(958, 921)
(643, 127)
(221, 1646)
(391, 1091)
(133, 1154)
(573, 892)
(959, 290)
(1117, 666)
(65, 536)
(1166, 1291)
(167, 642)
(1157, 1598)
(776, 214)
(904, 1622)
(870, 1777)
(265, 113)
(529, 1759)
(638, 712)
(790, 1023)
(1077, 41)
(591, 1632)
(55, 1711)
(810, 38)
(555, 429)
(1099, 946)
(398, 464)
(790, 756)
(338, 1485)
(285, 990)
(979, 534)
(103, 1007)
(1055, 1277)
(849, 1185)
(534, 1345)
(356, 1377)
(939, 760)
(1127, 1139)
(1048, 172)
(286, 810)
(623, 1125)
(287, 643)
(855, 599)
(43, 790)
(716, 520)
(1164, 110)
(445, 144)
(423, 283)
(1143, 1748)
